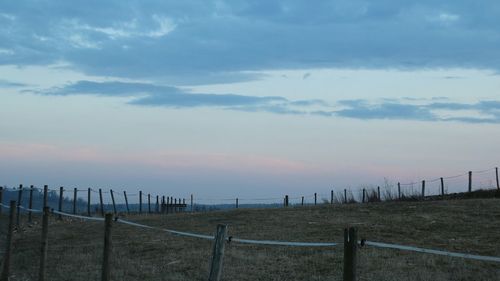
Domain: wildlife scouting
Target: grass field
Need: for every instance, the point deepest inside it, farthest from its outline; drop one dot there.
(468, 226)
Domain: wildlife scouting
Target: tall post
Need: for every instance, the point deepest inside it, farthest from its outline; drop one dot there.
(315, 198)
(107, 248)
(350, 253)
(331, 197)
(364, 192)
(157, 204)
(75, 192)
(423, 188)
(399, 190)
(30, 204)
(496, 173)
(45, 195)
(101, 202)
(302, 203)
(1, 198)
(470, 181)
(236, 203)
(218, 253)
(192, 203)
(378, 193)
(345, 196)
(61, 191)
(140, 202)
(44, 243)
(88, 201)
(442, 187)
(126, 201)
(8, 244)
(19, 198)
(113, 201)
(149, 203)
(286, 200)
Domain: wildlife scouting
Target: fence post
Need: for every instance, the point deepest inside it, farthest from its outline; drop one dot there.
(8, 244)
(61, 191)
(113, 200)
(364, 192)
(470, 181)
(140, 202)
(286, 200)
(350, 253)
(331, 196)
(107, 247)
(442, 187)
(75, 191)
(101, 202)
(44, 243)
(149, 203)
(175, 206)
(498, 183)
(30, 204)
(218, 253)
(423, 189)
(302, 201)
(237, 203)
(126, 201)
(191, 203)
(399, 191)
(88, 201)
(157, 207)
(1, 198)
(378, 193)
(315, 198)
(345, 196)
(19, 198)
(45, 195)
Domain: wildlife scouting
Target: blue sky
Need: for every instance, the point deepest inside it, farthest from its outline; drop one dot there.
(246, 98)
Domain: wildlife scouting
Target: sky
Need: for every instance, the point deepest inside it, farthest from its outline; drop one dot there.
(248, 99)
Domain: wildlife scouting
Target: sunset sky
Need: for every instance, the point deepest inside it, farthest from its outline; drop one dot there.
(253, 99)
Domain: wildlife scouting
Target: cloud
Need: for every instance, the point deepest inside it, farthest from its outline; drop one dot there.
(200, 39)
(11, 84)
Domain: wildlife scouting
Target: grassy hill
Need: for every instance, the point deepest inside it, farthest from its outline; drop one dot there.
(468, 226)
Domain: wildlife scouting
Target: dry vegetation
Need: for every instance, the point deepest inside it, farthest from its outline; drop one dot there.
(470, 226)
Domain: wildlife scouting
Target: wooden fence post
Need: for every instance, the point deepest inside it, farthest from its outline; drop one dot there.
(1, 199)
(470, 181)
(61, 192)
(44, 243)
(498, 183)
(149, 203)
(126, 201)
(101, 202)
(218, 253)
(378, 193)
(237, 203)
(442, 187)
(302, 203)
(423, 189)
(8, 244)
(364, 192)
(399, 191)
(88, 201)
(157, 207)
(19, 198)
(331, 197)
(113, 201)
(350, 253)
(30, 204)
(107, 248)
(140, 202)
(315, 198)
(345, 196)
(286, 201)
(191, 203)
(75, 191)
(45, 195)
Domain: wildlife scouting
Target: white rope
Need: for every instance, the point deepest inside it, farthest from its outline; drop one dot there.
(430, 251)
(283, 243)
(31, 210)
(77, 216)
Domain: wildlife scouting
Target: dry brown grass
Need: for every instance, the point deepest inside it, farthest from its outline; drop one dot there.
(470, 226)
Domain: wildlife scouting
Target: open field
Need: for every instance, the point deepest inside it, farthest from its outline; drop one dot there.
(468, 226)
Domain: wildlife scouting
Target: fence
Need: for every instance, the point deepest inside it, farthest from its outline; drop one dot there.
(351, 244)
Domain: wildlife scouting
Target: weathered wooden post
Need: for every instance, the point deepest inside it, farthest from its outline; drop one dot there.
(331, 196)
(8, 244)
(140, 202)
(157, 207)
(378, 193)
(302, 203)
(149, 203)
(75, 191)
(126, 201)
(286, 200)
(345, 196)
(45, 195)
(470, 181)
(88, 201)
(364, 192)
(61, 191)
(44, 243)
(30, 204)
(442, 187)
(399, 191)
(423, 189)
(315, 198)
(107, 248)
(1, 199)
(113, 201)
(236, 203)
(350, 253)
(101, 202)
(19, 198)
(218, 253)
